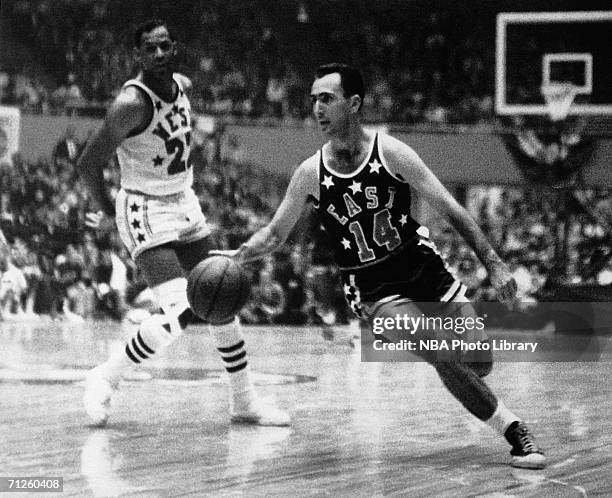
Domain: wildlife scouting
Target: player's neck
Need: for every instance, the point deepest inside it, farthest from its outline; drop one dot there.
(162, 87)
(348, 149)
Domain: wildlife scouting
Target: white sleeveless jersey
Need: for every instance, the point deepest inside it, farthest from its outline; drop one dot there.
(155, 161)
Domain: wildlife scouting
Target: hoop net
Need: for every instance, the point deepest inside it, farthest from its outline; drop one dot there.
(559, 98)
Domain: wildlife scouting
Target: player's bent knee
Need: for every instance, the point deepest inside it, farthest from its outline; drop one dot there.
(154, 333)
(230, 325)
(231, 321)
(446, 368)
(480, 361)
(172, 296)
(482, 369)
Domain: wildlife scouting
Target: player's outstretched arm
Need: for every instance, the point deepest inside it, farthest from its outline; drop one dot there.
(303, 184)
(405, 161)
(124, 115)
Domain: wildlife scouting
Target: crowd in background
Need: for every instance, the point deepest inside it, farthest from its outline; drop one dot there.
(423, 62)
(248, 60)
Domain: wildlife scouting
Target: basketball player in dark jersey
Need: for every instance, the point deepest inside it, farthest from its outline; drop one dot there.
(360, 182)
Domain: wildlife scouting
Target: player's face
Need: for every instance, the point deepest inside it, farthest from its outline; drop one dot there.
(329, 105)
(156, 52)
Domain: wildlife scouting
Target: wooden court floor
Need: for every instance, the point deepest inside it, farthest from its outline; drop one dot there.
(359, 429)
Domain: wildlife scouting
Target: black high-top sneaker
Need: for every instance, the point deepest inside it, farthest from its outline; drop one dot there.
(525, 453)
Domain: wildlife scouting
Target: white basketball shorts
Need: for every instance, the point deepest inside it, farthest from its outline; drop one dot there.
(146, 221)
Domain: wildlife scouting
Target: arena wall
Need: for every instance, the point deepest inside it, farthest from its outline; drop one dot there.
(460, 157)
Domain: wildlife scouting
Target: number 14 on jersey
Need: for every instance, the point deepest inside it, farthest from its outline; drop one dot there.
(384, 234)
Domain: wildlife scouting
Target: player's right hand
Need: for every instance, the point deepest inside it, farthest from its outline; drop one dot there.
(505, 284)
(99, 221)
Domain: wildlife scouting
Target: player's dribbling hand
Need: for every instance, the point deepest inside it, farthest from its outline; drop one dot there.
(230, 253)
(99, 221)
(504, 283)
(239, 255)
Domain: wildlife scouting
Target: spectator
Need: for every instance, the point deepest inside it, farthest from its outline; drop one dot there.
(68, 273)
(73, 95)
(13, 288)
(111, 280)
(267, 296)
(27, 261)
(4, 85)
(276, 95)
(66, 150)
(289, 273)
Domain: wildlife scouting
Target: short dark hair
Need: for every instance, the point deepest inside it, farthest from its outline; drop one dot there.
(351, 79)
(147, 27)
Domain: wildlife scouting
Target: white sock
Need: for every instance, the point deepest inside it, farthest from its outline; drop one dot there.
(117, 364)
(229, 341)
(501, 418)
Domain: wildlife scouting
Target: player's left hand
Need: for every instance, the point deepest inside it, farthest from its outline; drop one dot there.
(504, 283)
(99, 221)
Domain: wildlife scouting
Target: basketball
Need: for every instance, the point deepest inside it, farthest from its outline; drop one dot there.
(217, 289)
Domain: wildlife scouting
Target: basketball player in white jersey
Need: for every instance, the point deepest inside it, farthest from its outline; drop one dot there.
(159, 220)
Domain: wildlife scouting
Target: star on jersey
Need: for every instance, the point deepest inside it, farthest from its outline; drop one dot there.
(136, 224)
(403, 219)
(158, 106)
(141, 237)
(355, 187)
(346, 243)
(134, 207)
(328, 182)
(375, 166)
(157, 161)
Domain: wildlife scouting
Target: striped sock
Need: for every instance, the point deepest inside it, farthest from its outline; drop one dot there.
(230, 344)
(152, 336)
(137, 349)
(234, 357)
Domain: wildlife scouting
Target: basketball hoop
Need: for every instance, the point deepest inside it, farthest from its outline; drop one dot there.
(559, 98)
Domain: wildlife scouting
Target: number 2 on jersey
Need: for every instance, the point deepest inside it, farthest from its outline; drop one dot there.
(383, 233)
(178, 164)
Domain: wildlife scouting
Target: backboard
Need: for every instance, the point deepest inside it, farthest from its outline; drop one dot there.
(537, 49)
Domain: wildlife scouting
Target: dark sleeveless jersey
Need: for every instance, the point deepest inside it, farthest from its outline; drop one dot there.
(366, 214)
(380, 249)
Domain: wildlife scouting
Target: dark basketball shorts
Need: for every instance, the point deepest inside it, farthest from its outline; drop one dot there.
(415, 272)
